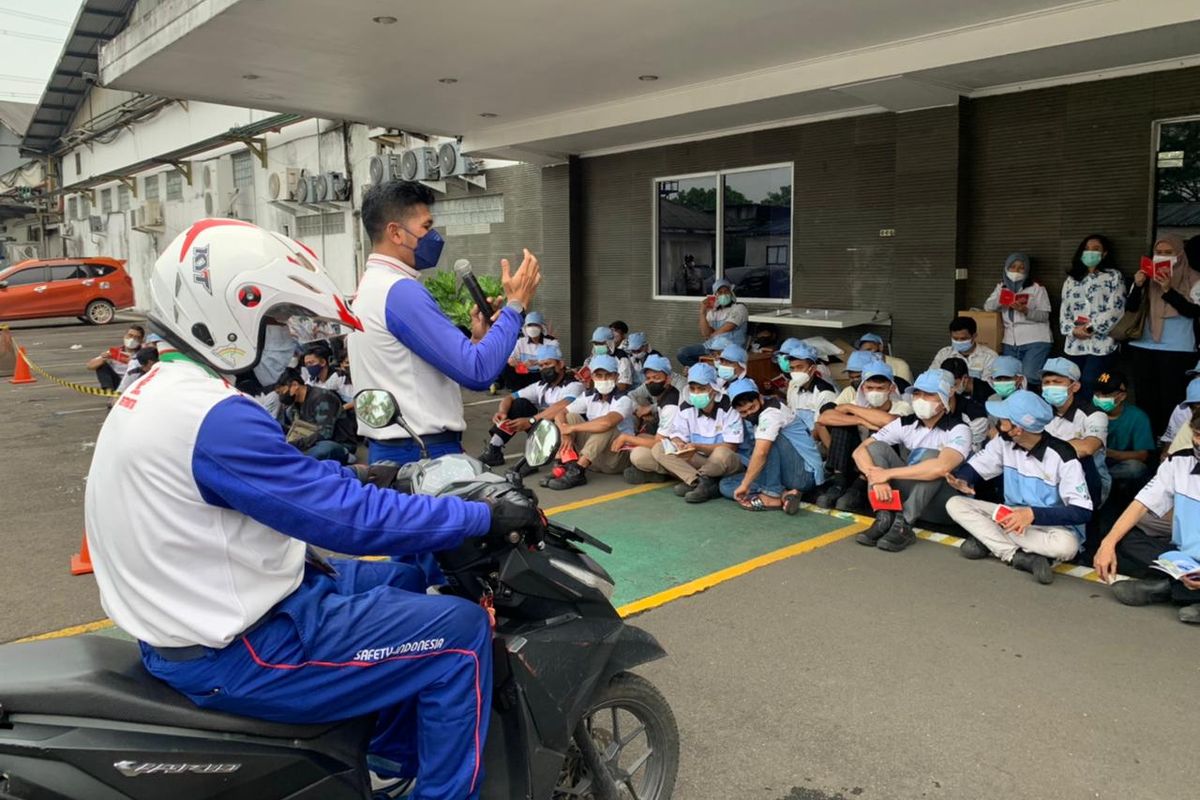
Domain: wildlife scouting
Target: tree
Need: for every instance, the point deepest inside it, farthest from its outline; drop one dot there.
(1180, 184)
(781, 197)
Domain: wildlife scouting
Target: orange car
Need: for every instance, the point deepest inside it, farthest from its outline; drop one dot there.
(89, 288)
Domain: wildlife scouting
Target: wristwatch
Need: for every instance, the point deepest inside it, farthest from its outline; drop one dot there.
(515, 305)
(533, 422)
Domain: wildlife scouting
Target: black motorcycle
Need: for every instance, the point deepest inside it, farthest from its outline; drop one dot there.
(80, 719)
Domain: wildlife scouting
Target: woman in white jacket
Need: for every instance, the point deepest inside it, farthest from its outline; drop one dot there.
(1026, 315)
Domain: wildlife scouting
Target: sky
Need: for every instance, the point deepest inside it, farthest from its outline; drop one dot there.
(31, 38)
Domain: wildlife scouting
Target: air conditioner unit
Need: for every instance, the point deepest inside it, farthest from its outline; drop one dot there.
(218, 187)
(451, 161)
(96, 224)
(282, 185)
(332, 186)
(25, 252)
(385, 167)
(420, 164)
(67, 230)
(152, 213)
(307, 189)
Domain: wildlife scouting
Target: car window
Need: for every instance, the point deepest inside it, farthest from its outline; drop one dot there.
(67, 272)
(100, 270)
(27, 276)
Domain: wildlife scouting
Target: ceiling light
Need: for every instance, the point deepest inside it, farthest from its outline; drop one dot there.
(647, 78)
(488, 115)
(383, 20)
(447, 80)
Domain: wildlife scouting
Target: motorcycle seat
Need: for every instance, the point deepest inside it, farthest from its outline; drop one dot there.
(103, 678)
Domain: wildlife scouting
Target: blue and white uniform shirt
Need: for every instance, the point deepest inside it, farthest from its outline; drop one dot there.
(920, 439)
(544, 395)
(1176, 487)
(590, 405)
(724, 426)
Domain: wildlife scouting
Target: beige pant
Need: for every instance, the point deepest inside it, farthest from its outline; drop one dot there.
(722, 461)
(595, 448)
(1055, 543)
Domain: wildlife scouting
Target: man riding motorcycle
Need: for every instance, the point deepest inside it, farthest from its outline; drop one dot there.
(199, 513)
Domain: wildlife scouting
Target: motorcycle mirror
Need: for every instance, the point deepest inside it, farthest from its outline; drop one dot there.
(3, 284)
(375, 408)
(544, 441)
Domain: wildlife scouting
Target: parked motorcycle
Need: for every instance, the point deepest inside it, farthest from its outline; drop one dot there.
(80, 719)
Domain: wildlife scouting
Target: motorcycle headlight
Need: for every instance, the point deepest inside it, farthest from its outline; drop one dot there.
(585, 577)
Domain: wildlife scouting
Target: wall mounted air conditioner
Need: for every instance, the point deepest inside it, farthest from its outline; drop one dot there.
(420, 164)
(384, 167)
(332, 186)
(281, 185)
(96, 224)
(307, 189)
(218, 187)
(451, 161)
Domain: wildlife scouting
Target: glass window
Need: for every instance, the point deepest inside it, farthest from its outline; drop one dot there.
(100, 270)
(687, 235)
(72, 208)
(122, 198)
(751, 249)
(67, 272)
(27, 276)
(150, 189)
(106, 201)
(243, 169)
(85, 207)
(174, 185)
(1177, 179)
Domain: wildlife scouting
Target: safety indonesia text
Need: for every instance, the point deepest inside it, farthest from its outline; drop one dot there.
(380, 653)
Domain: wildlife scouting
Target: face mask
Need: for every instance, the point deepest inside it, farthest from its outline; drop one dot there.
(784, 363)
(924, 409)
(801, 379)
(1168, 260)
(287, 400)
(599, 349)
(1006, 435)
(428, 249)
(655, 388)
(533, 331)
(1105, 404)
(724, 300)
(724, 372)
(313, 371)
(961, 347)
(605, 387)
(700, 401)
(277, 351)
(132, 343)
(549, 374)
(1055, 395)
(1091, 258)
(1014, 276)
(876, 399)
(1004, 388)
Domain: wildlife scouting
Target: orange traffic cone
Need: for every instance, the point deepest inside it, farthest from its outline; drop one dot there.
(81, 562)
(21, 370)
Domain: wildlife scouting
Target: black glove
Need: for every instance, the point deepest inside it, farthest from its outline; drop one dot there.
(512, 511)
(381, 475)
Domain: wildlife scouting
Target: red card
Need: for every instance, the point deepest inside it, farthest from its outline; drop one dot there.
(891, 505)
(508, 426)
(710, 301)
(1082, 320)
(522, 368)
(567, 453)
(1002, 513)
(1155, 266)
(1010, 298)
(584, 374)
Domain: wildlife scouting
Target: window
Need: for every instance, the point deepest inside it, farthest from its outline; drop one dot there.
(122, 198)
(78, 164)
(67, 272)
(72, 208)
(751, 246)
(243, 169)
(320, 224)
(100, 270)
(174, 185)
(27, 276)
(85, 207)
(1177, 178)
(150, 189)
(106, 201)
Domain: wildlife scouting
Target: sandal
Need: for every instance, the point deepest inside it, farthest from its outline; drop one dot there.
(756, 503)
(791, 502)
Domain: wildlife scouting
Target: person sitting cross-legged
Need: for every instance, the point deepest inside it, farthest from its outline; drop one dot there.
(1174, 488)
(781, 457)
(1077, 422)
(914, 453)
(1046, 500)
(590, 422)
(701, 446)
(318, 425)
(528, 406)
(656, 400)
(1130, 444)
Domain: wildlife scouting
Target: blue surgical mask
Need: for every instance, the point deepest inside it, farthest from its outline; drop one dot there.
(1091, 258)
(428, 249)
(1004, 388)
(700, 401)
(784, 363)
(1055, 395)
(961, 347)
(724, 372)
(313, 371)
(599, 349)
(724, 300)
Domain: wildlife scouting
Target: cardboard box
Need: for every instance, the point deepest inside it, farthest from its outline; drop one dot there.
(991, 327)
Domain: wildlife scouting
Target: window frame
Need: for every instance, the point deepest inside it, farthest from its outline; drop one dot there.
(719, 259)
(1155, 143)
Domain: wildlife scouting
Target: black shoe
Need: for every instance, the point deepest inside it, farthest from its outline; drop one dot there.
(525, 469)
(705, 489)
(973, 549)
(832, 491)
(1037, 566)
(635, 475)
(898, 537)
(854, 498)
(883, 523)
(572, 477)
(681, 489)
(492, 456)
(1142, 592)
(1190, 614)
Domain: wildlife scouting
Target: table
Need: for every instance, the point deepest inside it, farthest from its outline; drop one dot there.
(821, 318)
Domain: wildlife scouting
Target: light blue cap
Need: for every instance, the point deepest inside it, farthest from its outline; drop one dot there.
(636, 341)
(602, 334)
(741, 386)
(1193, 391)
(861, 359)
(719, 342)
(722, 284)
(549, 351)
(1007, 367)
(535, 318)
(870, 337)
(154, 338)
(935, 381)
(1023, 408)
(791, 341)
(1061, 366)
(703, 374)
(1194, 370)
(735, 353)
(802, 351)
(606, 363)
(657, 363)
(877, 369)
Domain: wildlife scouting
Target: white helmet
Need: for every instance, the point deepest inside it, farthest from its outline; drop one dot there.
(215, 285)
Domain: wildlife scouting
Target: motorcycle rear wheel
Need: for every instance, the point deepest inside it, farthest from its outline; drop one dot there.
(635, 731)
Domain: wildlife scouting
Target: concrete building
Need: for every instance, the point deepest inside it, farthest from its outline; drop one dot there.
(20, 179)
(875, 157)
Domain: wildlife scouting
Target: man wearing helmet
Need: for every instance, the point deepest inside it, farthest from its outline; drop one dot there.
(198, 516)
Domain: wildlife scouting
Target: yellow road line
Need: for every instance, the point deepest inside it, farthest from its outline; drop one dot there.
(729, 573)
(74, 630)
(604, 498)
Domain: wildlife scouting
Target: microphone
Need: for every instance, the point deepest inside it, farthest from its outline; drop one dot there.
(462, 268)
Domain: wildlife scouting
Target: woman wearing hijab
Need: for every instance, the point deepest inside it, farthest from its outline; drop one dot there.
(1093, 301)
(1026, 315)
(1167, 347)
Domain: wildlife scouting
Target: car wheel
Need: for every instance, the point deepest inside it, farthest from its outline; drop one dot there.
(100, 312)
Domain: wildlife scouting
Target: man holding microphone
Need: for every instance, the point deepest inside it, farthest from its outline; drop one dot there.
(407, 345)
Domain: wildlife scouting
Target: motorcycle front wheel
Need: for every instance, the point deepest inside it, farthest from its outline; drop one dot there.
(635, 732)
